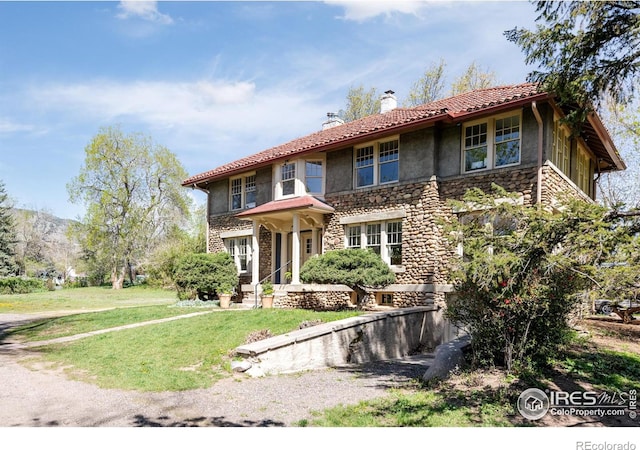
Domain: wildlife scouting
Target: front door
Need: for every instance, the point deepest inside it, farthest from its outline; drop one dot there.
(306, 246)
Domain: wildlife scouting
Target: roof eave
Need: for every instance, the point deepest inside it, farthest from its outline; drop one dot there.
(606, 140)
(445, 117)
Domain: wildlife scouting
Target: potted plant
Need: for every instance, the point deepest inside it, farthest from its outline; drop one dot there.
(226, 291)
(267, 294)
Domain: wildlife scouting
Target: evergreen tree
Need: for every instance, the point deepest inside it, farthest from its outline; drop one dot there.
(584, 50)
(7, 236)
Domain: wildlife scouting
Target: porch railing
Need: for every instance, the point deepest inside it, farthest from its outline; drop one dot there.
(255, 288)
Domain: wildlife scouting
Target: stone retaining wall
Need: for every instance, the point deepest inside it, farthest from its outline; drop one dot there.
(371, 337)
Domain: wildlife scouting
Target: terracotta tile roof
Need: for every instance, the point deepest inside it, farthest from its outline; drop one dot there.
(392, 121)
(304, 202)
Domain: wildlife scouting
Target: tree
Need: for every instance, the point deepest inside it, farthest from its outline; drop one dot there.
(360, 269)
(475, 77)
(584, 50)
(132, 189)
(203, 274)
(524, 270)
(623, 123)
(429, 87)
(7, 236)
(360, 103)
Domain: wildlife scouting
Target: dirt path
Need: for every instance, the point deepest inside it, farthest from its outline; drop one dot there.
(34, 395)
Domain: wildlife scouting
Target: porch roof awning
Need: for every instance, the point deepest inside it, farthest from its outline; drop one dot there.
(306, 202)
(277, 215)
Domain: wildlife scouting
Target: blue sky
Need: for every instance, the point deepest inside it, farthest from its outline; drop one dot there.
(215, 81)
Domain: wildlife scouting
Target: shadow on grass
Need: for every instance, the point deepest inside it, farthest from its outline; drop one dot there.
(141, 420)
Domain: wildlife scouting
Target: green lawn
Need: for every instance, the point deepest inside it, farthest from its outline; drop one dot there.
(85, 322)
(422, 408)
(185, 354)
(85, 299)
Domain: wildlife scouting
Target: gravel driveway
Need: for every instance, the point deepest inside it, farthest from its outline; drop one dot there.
(34, 395)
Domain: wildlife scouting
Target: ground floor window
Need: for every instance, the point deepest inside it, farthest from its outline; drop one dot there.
(385, 299)
(384, 238)
(240, 250)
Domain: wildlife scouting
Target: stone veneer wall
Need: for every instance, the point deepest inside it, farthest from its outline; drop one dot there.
(424, 249)
(228, 222)
(557, 188)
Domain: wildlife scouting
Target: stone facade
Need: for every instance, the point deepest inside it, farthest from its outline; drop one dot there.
(424, 248)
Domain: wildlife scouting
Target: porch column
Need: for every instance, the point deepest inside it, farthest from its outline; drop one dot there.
(295, 249)
(284, 258)
(255, 254)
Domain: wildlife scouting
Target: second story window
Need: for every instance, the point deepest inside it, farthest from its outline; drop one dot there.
(491, 143)
(561, 154)
(313, 177)
(288, 178)
(377, 163)
(242, 192)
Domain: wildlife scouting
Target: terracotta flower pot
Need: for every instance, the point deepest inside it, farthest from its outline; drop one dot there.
(225, 301)
(267, 301)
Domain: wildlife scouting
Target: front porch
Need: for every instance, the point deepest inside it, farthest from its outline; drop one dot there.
(297, 228)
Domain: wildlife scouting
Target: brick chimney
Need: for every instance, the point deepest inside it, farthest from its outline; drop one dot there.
(332, 121)
(388, 102)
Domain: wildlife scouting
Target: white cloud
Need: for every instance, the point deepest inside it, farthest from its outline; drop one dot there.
(8, 126)
(361, 10)
(147, 10)
(208, 122)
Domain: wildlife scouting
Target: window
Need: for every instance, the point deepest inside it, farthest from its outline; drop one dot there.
(561, 152)
(364, 166)
(313, 177)
(475, 147)
(288, 178)
(383, 238)
(377, 163)
(385, 299)
(353, 237)
(389, 154)
(584, 170)
(250, 191)
(242, 192)
(240, 250)
(373, 237)
(507, 141)
(394, 242)
(491, 143)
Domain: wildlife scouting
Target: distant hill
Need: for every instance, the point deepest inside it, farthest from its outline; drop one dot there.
(42, 241)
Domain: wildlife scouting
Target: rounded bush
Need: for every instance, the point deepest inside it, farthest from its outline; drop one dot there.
(203, 274)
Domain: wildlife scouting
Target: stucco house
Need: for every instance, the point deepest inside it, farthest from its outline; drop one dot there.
(381, 182)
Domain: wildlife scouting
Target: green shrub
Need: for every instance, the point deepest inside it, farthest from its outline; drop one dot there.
(18, 285)
(357, 268)
(202, 274)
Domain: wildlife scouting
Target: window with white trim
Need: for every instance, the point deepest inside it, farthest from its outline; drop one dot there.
(584, 170)
(491, 143)
(242, 192)
(383, 238)
(288, 177)
(313, 177)
(377, 163)
(354, 236)
(561, 148)
(240, 250)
